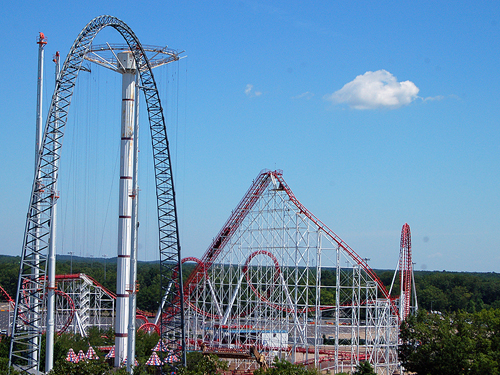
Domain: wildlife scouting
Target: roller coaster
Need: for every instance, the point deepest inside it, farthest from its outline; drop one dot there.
(278, 279)
(275, 280)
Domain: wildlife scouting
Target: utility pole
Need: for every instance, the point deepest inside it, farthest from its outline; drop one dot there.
(71, 262)
(42, 41)
(51, 273)
(104, 256)
(135, 226)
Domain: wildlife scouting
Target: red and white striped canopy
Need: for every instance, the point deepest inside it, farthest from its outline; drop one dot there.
(160, 347)
(71, 356)
(111, 353)
(171, 358)
(91, 354)
(154, 360)
(81, 356)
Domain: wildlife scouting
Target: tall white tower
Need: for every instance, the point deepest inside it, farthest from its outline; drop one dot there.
(120, 59)
(126, 66)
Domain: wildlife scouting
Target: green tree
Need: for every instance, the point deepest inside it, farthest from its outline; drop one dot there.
(282, 367)
(143, 344)
(4, 356)
(200, 364)
(364, 368)
(455, 343)
(63, 367)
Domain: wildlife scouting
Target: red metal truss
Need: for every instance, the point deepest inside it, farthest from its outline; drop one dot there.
(7, 296)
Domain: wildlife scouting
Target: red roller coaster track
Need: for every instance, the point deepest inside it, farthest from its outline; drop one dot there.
(238, 215)
(142, 315)
(234, 221)
(405, 267)
(232, 224)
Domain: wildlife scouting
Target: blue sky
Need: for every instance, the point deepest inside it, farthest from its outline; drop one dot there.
(378, 113)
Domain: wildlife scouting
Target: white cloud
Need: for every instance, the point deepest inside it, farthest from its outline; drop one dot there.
(374, 90)
(248, 89)
(249, 92)
(432, 98)
(305, 95)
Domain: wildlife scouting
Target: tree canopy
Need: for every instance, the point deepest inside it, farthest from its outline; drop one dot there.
(364, 368)
(282, 367)
(451, 344)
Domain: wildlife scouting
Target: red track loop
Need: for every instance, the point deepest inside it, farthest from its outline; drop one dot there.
(276, 280)
(264, 252)
(141, 317)
(71, 305)
(276, 274)
(150, 327)
(71, 313)
(9, 299)
(405, 269)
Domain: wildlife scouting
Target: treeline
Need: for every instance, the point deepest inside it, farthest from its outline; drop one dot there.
(103, 271)
(452, 291)
(436, 291)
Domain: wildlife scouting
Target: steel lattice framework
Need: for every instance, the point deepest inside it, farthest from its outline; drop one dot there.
(93, 305)
(277, 278)
(406, 272)
(28, 314)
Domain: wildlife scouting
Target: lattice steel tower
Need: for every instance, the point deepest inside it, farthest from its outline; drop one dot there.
(27, 328)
